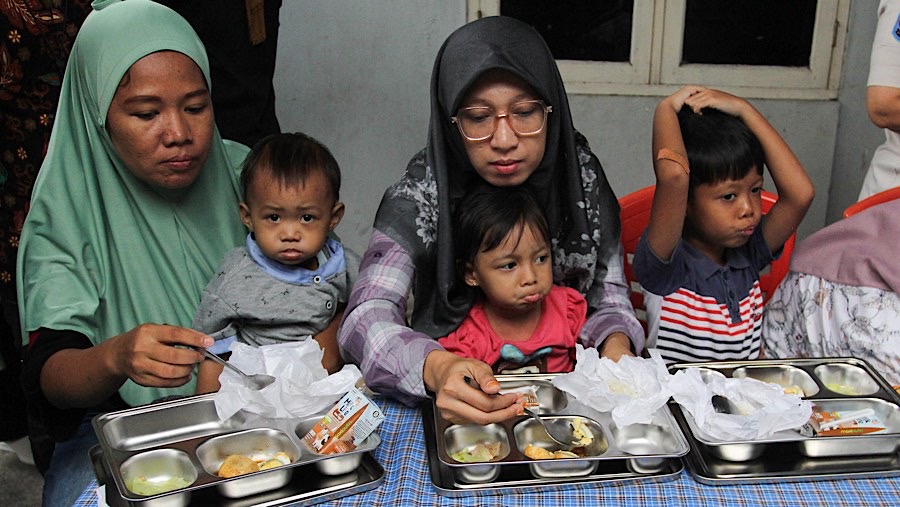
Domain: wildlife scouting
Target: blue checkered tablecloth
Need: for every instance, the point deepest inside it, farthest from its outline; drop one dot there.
(407, 482)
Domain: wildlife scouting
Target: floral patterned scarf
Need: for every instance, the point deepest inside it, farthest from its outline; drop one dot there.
(570, 183)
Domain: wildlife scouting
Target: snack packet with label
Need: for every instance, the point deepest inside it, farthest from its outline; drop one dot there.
(353, 418)
(823, 423)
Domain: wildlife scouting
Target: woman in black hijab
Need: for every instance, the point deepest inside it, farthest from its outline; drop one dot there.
(502, 68)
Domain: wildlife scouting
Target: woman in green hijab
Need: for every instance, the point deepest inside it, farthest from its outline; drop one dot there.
(133, 208)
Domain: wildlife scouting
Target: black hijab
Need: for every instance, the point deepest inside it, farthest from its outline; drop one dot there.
(580, 206)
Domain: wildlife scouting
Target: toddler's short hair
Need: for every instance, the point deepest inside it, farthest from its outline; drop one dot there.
(487, 214)
(719, 146)
(290, 158)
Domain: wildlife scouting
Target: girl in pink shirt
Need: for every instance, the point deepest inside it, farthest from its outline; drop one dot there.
(520, 322)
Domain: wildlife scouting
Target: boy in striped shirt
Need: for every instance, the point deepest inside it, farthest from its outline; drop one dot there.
(700, 257)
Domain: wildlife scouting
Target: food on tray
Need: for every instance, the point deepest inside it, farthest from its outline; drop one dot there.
(583, 435)
(353, 418)
(478, 453)
(843, 389)
(281, 458)
(270, 463)
(535, 452)
(146, 487)
(796, 390)
(238, 464)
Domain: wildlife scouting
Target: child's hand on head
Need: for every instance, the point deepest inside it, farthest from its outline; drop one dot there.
(718, 100)
(679, 98)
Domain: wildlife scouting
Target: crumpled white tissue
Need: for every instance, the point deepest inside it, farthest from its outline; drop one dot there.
(633, 388)
(302, 385)
(764, 408)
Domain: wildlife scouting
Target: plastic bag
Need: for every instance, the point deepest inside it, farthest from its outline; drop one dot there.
(762, 408)
(633, 388)
(302, 386)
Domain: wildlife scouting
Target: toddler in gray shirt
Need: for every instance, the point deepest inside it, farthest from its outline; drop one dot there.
(291, 281)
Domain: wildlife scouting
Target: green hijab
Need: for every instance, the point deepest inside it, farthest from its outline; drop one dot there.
(101, 251)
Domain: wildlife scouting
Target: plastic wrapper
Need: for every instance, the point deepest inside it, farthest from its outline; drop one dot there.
(758, 409)
(633, 388)
(302, 386)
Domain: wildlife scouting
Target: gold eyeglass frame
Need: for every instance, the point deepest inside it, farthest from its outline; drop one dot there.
(547, 110)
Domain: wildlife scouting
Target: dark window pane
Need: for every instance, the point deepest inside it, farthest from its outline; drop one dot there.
(592, 30)
(749, 32)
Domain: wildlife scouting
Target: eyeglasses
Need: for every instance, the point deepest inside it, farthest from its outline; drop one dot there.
(526, 118)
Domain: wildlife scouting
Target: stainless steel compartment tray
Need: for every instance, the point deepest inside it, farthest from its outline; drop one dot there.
(784, 464)
(819, 378)
(513, 478)
(306, 488)
(629, 453)
(186, 425)
(618, 442)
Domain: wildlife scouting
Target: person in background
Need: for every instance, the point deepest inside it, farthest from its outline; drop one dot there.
(520, 322)
(241, 40)
(700, 257)
(883, 100)
(35, 41)
(132, 210)
(290, 281)
(840, 298)
(483, 73)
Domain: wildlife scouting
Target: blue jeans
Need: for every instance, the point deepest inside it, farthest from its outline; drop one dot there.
(70, 469)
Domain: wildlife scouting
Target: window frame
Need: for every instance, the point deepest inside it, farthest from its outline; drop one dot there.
(655, 69)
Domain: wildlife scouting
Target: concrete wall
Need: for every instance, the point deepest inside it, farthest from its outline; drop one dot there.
(356, 76)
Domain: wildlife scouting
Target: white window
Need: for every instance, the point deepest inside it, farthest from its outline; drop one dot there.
(754, 48)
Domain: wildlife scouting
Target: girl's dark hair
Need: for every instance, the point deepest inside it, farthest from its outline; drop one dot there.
(487, 214)
(290, 159)
(720, 146)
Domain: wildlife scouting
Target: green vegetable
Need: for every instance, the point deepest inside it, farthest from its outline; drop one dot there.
(142, 486)
(842, 389)
(478, 453)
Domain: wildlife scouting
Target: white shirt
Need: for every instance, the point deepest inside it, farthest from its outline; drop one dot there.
(884, 70)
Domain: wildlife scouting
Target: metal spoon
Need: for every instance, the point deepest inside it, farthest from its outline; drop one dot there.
(257, 381)
(723, 405)
(559, 430)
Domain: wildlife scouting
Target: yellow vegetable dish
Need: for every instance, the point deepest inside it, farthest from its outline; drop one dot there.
(582, 433)
(535, 452)
(794, 389)
(236, 464)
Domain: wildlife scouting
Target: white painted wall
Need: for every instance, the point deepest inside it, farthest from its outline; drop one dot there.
(356, 76)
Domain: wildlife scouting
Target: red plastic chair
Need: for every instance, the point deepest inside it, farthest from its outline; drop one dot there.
(635, 216)
(883, 196)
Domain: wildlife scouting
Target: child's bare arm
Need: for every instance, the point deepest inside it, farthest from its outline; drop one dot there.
(795, 189)
(331, 352)
(672, 175)
(208, 376)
